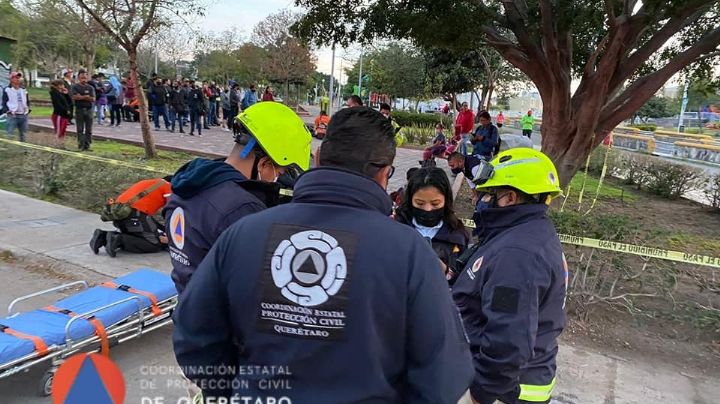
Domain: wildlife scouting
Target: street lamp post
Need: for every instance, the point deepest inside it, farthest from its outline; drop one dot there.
(332, 84)
(360, 77)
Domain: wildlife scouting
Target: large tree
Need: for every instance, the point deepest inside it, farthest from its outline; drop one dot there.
(128, 22)
(621, 51)
(289, 59)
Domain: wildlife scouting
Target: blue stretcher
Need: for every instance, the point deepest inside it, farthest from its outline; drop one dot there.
(90, 320)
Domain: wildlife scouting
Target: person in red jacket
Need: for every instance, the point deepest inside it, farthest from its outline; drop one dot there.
(465, 122)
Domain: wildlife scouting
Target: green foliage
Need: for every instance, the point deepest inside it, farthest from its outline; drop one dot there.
(410, 118)
(712, 192)
(660, 177)
(452, 71)
(607, 226)
(79, 183)
(649, 127)
(671, 180)
(396, 70)
(655, 107)
(420, 135)
(607, 191)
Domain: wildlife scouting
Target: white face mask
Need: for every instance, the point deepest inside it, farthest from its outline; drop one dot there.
(274, 174)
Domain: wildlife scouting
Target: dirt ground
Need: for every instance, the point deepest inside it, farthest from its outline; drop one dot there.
(680, 322)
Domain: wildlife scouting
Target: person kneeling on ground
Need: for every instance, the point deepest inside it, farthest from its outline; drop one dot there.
(428, 208)
(132, 214)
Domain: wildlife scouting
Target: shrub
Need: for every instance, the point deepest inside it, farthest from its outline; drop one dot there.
(419, 134)
(712, 192)
(607, 226)
(597, 159)
(672, 180)
(634, 167)
(408, 119)
(646, 126)
(694, 131)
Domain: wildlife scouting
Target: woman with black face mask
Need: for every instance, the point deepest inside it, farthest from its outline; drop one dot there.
(428, 207)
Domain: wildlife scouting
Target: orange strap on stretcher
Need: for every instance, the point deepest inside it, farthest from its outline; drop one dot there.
(40, 345)
(153, 300)
(97, 324)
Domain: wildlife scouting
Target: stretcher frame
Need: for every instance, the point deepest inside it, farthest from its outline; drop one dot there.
(135, 325)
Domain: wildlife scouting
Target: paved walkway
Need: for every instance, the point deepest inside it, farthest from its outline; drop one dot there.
(50, 242)
(215, 143)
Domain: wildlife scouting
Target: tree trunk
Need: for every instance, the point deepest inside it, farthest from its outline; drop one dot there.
(90, 61)
(287, 92)
(148, 140)
(485, 92)
(489, 97)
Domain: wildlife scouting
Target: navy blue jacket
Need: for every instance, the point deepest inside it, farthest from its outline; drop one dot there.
(351, 303)
(207, 197)
(512, 299)
(486, 146)
(448, 244)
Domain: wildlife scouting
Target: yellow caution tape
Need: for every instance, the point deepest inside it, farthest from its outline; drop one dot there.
(84, 156)
(285, 192)
(644, 251)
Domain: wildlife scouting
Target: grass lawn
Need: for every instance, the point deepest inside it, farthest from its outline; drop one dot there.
(77, 182)
(607, 191)
(39, 94)
(40, 112)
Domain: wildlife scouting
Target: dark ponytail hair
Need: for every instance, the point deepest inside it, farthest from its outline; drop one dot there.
(431, 177)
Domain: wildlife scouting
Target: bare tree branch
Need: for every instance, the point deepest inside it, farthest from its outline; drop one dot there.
(635, 95)
(687, 16)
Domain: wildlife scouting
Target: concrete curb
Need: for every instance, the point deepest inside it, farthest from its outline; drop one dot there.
(52, 264)
(44, 129)
(457, 184)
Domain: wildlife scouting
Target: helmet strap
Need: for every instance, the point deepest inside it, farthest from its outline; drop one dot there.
(248, 148)
(255, 171)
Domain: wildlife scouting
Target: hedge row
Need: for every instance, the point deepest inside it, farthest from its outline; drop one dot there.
(655, 175)
(404, 118)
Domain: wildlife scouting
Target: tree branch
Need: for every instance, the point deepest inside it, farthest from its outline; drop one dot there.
(102, 23)
(592, 60)
(149, 18)
(518, 25)
(642, 54)
(638, 92)
(549, 37)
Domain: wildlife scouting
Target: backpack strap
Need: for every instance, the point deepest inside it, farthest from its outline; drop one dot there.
(145, 192)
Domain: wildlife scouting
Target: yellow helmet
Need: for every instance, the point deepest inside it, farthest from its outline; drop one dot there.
(279, 132)
(525, 169)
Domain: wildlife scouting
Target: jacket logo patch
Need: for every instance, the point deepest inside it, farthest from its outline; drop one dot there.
(305, 282)
(478, 263)
(177, 228)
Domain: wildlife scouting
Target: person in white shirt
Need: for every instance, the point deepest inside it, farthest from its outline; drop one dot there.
(16, 106)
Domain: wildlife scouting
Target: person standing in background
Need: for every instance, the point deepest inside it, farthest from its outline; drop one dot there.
(268, 95)
(528, 122)
(16, 105)
(250, 98)
(84, 96)
(500, 120)
(61, 102)
(116, 98)
(465, 122)
(67, 83)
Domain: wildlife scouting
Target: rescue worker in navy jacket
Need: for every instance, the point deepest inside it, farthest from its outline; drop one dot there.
(428, 207)
(210, 195)
(512, 291)
(347, 305)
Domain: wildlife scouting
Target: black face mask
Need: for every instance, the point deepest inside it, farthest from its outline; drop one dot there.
(456, 170)
(428, 218)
